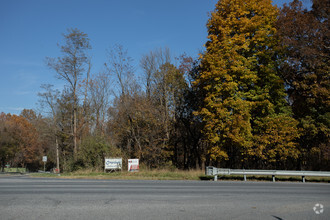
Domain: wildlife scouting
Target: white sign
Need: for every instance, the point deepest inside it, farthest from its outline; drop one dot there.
(44, 159)
(133, 165)
(113, 163)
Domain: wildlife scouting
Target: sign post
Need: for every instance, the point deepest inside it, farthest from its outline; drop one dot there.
(44, 159)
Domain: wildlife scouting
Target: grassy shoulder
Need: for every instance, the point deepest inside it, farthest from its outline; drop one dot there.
(171, 175)
(141, 175)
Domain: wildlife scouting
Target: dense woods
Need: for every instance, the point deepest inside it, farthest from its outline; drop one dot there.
(256, 98)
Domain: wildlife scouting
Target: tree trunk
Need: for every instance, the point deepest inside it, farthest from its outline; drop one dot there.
(57, 156)
(2, 165)
(75, 133)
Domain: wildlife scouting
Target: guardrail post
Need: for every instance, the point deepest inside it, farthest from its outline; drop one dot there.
(210, 171)
(274, 178)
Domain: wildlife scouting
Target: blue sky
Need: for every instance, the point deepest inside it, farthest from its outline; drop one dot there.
(30, 31)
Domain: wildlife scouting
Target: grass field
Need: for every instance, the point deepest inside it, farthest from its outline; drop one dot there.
(15, 170)
(170, 175)
(142, 175)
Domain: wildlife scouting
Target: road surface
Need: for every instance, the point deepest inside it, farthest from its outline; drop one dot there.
(41, 198)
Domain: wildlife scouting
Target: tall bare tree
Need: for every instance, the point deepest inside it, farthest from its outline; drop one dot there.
(70, 67)
(151, 63)
(119, 66)
(100, 90)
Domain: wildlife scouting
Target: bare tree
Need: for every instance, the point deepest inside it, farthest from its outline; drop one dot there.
(100, 90)
(70, 67)
(151, 64)
(48, 100)
(119, 65)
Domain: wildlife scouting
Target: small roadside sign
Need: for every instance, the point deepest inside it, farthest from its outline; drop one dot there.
(133, 165)
(44, 159)
(113, 163)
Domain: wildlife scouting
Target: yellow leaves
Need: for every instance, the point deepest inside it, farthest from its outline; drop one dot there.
(217, 153)
(276, 138)
(240, 85)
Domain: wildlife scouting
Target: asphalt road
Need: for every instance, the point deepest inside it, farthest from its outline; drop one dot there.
(31, 198)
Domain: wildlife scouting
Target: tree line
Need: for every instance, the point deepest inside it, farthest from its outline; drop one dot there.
(257, 97)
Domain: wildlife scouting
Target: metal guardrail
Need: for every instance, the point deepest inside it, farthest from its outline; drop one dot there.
(213, 171)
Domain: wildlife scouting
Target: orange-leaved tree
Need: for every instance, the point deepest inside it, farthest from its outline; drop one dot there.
(19, 141)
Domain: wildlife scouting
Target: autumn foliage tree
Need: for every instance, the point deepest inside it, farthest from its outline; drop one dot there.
(137, 129)
(257, 97)
(189, 145)
(305, 36)
(19, 144)
(8, 145)
(244, 98)
(142, 122)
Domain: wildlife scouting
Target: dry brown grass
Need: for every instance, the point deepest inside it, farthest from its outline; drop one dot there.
(170, 174)
(162, 174)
